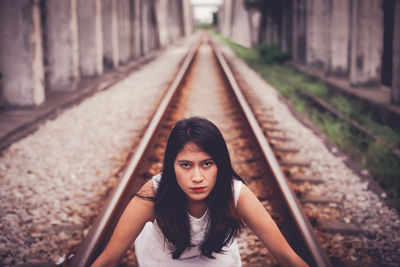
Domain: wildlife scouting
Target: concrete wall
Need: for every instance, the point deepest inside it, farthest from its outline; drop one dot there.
(21, 54)
(77, 38)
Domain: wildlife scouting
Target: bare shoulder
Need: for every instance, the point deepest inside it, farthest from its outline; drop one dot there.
(142, 203)
(245, 193)
(247, 201)
(147, 190)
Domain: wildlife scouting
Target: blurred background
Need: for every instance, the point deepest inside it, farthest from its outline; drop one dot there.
(335, 63)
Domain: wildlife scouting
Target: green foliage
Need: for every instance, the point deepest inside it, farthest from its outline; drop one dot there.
(272, 54)
(204, 25)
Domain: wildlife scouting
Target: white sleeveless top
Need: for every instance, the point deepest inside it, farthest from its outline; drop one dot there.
(151, 249)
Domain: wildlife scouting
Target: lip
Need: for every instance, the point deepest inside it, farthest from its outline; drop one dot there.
(198, 189)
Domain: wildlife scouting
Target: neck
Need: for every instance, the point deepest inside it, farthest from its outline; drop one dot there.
(196, 208)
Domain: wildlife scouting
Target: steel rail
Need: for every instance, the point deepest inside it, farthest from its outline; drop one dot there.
(103, 226)
(318, 255)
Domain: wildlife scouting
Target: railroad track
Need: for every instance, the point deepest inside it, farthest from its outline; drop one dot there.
(205, 86)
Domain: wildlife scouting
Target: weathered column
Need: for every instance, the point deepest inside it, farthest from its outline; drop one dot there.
(162, 14)
(317, 38)
(241, 33)
(154, 37)
(187, 17)
(268, 31)
(145, 28)
(299, 31)
(21, 55)
(149, 34)
(174, 27)
(286, 26)
(366, 42)
(124, 30)
(226, 20)
(136, 49)
(61, 39)
(396, 56)
(338, 54)
(109, 18)
(90, 37)
(255, 22)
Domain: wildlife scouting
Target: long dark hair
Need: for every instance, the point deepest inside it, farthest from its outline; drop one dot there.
(170, 201)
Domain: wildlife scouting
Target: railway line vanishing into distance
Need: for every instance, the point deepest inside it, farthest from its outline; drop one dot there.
(260, 153)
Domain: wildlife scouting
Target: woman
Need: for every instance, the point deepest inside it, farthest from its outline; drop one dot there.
(189, 214)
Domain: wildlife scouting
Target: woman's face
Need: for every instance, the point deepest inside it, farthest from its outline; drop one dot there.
(196, 172)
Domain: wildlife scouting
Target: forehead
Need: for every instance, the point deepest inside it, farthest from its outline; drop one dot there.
(192, 150)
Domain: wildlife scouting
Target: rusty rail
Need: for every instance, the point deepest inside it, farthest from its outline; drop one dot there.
(103, 226)
(317, 254)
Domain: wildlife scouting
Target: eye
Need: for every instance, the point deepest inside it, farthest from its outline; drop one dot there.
(184, 165)
(208, 163)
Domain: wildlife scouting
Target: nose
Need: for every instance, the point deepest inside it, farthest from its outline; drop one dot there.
(197, 176)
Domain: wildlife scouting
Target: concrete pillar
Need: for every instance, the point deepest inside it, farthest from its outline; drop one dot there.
(396, 56)
(366, 42)
(149, 29)
(268, 31)
(109, 18)
(124, 30)
(299, 31)
(174, 27)
(187, 17)
(21, 55)
(154, 35)
(241, 32)
(255, 22)
(339, 30)
(90, 37)
(317, 42)
(226, 18)
(286, 26)
(135, 29)
(61, 42)
(162, 14)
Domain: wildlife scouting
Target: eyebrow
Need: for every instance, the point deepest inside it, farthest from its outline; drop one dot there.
(185, 160)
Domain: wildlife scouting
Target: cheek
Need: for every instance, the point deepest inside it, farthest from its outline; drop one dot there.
(179, 177)
(213, 176)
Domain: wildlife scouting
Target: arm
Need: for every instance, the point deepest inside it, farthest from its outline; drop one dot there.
(137, 213)
(262, 225)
